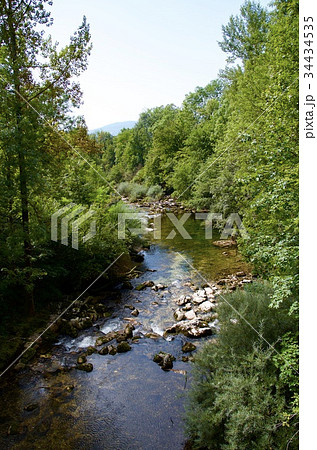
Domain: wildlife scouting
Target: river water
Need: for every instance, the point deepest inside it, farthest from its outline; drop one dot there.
(127, 401)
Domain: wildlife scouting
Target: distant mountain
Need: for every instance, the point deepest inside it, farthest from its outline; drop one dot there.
(115, 128)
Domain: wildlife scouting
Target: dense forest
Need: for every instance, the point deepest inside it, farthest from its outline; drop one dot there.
(231, 147)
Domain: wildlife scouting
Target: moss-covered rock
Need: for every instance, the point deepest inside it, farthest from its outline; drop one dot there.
(106, 338)
(90, 350)
(81, 359)
(123, 347)
(86, 367)
(188, 347)
(104, 351)
(164, 360)
(112, 349)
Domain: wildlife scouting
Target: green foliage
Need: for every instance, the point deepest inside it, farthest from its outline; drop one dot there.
(239, 398)
(245, 35)
(155, 192)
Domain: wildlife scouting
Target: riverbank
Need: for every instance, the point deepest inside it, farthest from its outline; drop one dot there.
(102, 380)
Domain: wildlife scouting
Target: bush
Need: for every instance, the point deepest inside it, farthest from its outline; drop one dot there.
(155, 192)
(125, 188)
(138, 192)
(238, 399)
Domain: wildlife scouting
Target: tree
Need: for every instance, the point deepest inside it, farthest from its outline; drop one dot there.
(36, 81)
(244, 36)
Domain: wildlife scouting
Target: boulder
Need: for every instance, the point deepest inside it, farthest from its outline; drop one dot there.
(193, 328)
(144, 285)
(188, 347)
(187, 307)
(104, 351)
(181, 300)
(240, 274)
(86, 367)
(225, 243)
(190, 315)
(164, 360)
(160, 286)
(198, 298)
(205, 307)
(106, 338)
(135, 312)
(128, 330)
(179, 315)
(81, 359)
(90, 350)
(123, 347)
(112, 349)
(152, 335)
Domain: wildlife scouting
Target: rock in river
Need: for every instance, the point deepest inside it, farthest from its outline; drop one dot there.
(123, 347)
(179, 315)
(81, 359)
(190, 315)
(86, 367)
(106, 338)
(112, 349)
(104, 351)
(164, 360)
(192, 328)
(205, 306)
(188, 347)
(144, 285)
(31, 407)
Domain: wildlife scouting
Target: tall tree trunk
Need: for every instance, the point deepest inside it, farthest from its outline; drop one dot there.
(21, 160)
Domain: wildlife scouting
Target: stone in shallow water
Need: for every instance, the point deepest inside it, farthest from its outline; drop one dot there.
(193, 328)
(81, 359)
(90, 350)
(123, 347)
(112, 349)
(198, 298)
(164, 360)
(190, 315)
(179, 315)
(205, 306)
(104, 351)
(181, 300)
(31, 407)
(144, 285)
(107, 338)
(86, 367)
(152, 335)
(188, 347)
(187, 307)
(210, 292)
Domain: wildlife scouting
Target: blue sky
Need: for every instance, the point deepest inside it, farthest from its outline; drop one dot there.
(145, 53)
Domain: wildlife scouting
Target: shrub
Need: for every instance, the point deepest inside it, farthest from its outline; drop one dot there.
(138, 192)
(155, 192)
(238, 399)
(125, 188)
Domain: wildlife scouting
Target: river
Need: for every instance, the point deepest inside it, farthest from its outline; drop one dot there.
(127, 401)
